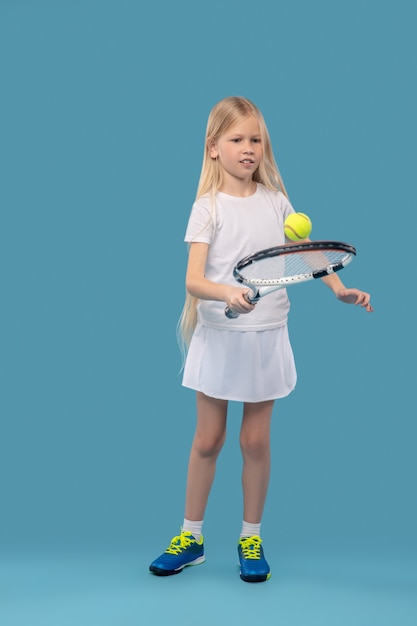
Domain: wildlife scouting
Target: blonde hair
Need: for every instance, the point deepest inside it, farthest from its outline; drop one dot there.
(223, 115)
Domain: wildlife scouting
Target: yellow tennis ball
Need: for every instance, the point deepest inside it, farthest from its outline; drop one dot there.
(297, 226)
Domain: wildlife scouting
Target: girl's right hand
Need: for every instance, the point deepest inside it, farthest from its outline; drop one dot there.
(236, 301)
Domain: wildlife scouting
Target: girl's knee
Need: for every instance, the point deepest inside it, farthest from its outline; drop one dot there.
(254, 447)
(206, 446)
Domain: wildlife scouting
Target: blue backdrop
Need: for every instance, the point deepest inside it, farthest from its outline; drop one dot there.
(103, 112)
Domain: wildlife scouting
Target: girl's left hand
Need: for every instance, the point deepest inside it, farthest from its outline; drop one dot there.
(355, 296)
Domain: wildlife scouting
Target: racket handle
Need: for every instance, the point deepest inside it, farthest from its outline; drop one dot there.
(251, 299)
(230, 314)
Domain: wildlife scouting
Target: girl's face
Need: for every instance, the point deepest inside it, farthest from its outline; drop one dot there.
(239, 150)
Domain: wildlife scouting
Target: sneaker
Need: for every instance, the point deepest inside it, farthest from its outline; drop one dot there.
(253, 566)
(183, 550)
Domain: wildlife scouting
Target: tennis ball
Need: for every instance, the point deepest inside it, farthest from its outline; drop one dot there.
(297, 226)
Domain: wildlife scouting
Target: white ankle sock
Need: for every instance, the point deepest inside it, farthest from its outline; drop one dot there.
(193, 527)
(248, 530)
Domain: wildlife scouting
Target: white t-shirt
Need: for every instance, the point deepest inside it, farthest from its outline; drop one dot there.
(235, 228)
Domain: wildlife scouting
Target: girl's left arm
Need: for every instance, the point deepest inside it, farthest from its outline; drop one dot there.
(349, 296)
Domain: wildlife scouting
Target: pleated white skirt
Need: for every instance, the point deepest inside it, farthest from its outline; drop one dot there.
(240, 366)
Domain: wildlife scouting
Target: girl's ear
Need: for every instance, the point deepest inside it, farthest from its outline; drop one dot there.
(212, 149)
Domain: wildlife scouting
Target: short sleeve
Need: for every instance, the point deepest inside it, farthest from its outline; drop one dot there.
(200, 226)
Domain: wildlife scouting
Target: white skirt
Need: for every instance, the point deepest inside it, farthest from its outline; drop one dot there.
(249, 366)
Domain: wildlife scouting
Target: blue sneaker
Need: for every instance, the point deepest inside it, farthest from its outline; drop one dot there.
(183, 550)
(253, 566)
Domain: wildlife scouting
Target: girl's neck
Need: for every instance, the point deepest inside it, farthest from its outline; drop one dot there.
(242, 189)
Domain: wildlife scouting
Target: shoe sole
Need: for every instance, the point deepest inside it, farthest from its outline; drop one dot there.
(170, 572)
(254, 578)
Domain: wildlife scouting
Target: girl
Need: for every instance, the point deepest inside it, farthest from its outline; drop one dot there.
(240, 208)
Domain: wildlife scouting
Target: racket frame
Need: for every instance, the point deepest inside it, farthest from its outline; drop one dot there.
(262, 287)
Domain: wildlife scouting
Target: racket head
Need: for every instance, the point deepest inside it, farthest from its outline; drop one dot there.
(293, 262)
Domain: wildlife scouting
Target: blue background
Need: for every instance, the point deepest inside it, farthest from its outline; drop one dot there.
(103, 112)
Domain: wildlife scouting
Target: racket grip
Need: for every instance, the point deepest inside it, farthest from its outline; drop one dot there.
(251, 299)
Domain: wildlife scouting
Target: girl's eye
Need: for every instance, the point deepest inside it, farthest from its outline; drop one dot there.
(238, 140)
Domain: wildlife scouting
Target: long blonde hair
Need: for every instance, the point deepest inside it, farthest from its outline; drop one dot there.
(223, 115)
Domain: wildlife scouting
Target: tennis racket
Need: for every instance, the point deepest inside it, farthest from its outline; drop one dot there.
(279, 267)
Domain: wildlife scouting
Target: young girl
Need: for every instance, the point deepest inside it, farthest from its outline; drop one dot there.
(240, 208)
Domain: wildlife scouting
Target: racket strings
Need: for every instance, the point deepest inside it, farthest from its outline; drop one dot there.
(270, 270)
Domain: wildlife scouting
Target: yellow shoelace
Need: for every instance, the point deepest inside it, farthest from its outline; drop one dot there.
(251, 547)
(179, 543)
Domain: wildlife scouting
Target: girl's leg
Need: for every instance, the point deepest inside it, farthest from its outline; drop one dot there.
(208, 440)
(255, 446)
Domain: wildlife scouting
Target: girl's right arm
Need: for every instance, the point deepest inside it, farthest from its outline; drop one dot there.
(200, 287)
